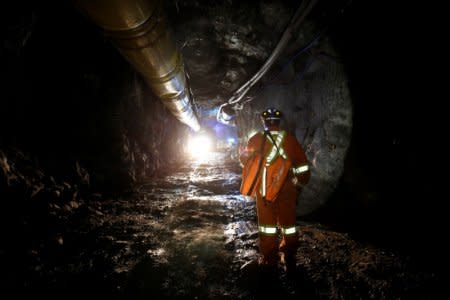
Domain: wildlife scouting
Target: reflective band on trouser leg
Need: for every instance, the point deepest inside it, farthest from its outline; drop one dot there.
(268, 229)
(301, 169)
(288, 230)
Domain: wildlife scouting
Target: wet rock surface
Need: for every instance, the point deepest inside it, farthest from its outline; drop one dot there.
(188, 234)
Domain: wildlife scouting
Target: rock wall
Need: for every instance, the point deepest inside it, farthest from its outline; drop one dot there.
(69, 98)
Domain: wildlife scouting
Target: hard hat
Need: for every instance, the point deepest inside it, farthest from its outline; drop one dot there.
(271, 114)
(271, 117)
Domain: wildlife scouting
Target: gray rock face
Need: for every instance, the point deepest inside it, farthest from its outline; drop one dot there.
(228, 42)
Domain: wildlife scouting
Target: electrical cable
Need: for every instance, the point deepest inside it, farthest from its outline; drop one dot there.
(298, 17)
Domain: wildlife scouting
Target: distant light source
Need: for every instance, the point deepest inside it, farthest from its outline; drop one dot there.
(199, 145)
(231, 141)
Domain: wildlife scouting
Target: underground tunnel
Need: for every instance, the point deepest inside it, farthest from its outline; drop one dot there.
(121, 128)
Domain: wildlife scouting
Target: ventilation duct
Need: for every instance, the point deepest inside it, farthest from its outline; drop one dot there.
(139, 30)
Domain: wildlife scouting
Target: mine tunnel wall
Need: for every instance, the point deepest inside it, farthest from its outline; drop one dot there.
(70, 99)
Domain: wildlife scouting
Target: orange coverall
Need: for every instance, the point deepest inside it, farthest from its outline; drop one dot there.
(282, 212)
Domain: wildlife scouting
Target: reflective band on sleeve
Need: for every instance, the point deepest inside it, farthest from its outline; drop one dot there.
(268, 229)
(289, 230)
(301, 169)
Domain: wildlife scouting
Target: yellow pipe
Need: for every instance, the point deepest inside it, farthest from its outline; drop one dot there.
(139, 30)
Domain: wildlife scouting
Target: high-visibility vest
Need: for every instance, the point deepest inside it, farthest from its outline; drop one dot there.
(275, 169)
(268, 173)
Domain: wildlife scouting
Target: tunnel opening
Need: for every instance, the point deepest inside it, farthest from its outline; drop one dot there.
(100, 194)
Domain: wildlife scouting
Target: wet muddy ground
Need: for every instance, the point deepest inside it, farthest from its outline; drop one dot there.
(188, 234)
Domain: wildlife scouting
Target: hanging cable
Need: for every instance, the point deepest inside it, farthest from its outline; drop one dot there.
(227, 110)
(298, 17)
(297, 77)
(297, 54)
(239, 106)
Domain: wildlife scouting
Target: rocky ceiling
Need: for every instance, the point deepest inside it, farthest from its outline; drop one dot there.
(225, 42)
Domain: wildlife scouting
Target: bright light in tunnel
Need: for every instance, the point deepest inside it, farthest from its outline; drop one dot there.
(199, 146)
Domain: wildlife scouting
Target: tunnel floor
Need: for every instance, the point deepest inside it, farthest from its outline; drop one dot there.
(188, 234)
